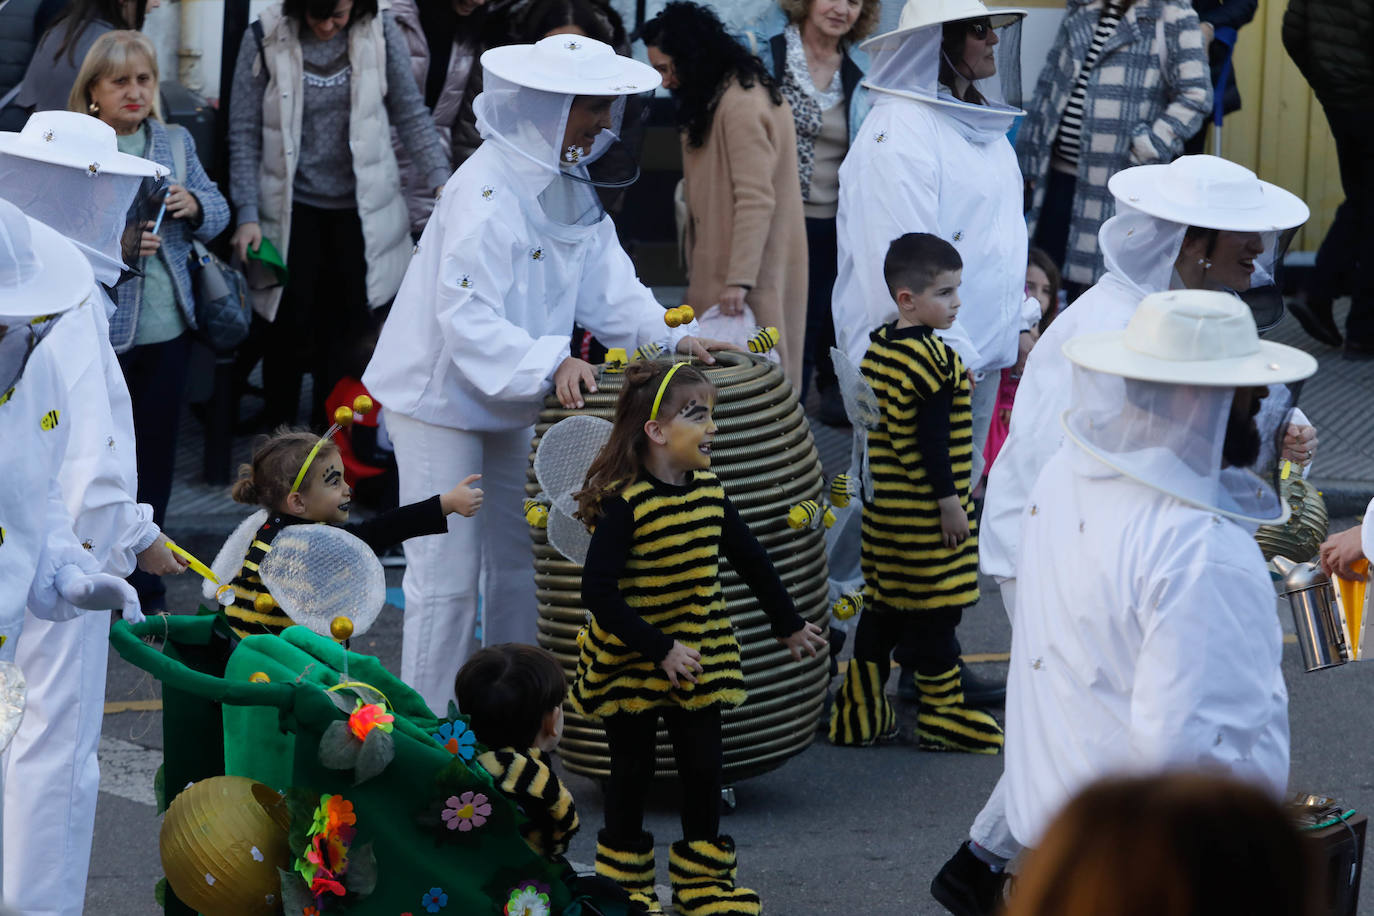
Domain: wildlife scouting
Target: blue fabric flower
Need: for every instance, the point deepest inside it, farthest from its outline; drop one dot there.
(457, 738)
(435, 900)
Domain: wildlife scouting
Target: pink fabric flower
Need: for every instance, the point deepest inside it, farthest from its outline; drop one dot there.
(466, 811)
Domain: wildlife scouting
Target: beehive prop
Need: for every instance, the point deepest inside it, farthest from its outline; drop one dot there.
(767, 461)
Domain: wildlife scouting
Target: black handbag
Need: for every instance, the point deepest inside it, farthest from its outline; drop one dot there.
(223, 312)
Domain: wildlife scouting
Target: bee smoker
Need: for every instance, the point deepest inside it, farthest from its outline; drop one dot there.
(1321, 635)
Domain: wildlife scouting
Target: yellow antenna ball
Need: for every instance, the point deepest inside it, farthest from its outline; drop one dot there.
(264, 604)
(225, 595)
(672, 318)
(363, 404)
(343, 415)
(341, 628)
(259, 677)
(688, 313)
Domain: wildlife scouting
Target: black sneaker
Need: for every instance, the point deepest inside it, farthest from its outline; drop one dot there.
(1316, 320)
(966, 886)
(980, 692)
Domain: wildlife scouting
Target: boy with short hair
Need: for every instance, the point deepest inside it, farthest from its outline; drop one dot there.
(919, 548)
(513, 696)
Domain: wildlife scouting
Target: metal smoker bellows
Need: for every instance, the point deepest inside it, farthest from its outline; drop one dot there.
(765, 457)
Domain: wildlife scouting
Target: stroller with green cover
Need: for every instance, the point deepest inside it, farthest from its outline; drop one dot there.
(421, 826)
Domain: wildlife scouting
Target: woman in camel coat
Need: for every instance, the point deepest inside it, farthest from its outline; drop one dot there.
(746, 236)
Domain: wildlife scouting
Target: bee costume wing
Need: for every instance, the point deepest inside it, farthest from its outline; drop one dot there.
(566, 450)
(317, 573)
(861, 406)
(12, 694)
(229, 560)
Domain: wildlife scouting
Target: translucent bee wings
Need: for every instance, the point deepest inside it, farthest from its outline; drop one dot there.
(565, 452)
(861, 406)
(229, 560)
(317, 573)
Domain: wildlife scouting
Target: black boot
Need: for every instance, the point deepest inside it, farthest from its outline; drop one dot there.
(1315, 318)
(967, 886)
(983, 694)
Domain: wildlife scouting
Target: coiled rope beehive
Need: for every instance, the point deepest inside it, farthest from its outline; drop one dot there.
(767, 461)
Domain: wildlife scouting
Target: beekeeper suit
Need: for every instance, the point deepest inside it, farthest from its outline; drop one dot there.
(517, 250)
(1158, 647)
(924, 161)
(65, 169)
(1155, 206)
(42, 564)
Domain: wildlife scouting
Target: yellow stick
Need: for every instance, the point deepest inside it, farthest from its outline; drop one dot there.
(196, 565)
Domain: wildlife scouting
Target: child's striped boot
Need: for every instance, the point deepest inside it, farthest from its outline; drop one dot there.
(861, 713)
(946, 723)
(631, 865)
(703, 877)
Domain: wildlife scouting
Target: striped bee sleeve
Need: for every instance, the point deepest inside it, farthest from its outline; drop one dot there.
(751, 561)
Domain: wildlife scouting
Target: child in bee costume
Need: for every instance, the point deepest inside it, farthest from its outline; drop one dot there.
(661, 643)
(65, 170)
(42, 564)
(518, 249)
(919, 550)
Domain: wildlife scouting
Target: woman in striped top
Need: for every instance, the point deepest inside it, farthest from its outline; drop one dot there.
(661, 642)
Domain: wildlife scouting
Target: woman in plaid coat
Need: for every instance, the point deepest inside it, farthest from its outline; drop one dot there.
(1126, 83)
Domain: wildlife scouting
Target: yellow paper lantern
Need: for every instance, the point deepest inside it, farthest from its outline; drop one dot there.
(222, 841)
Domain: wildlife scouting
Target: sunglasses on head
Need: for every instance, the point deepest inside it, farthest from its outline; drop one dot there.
(979, 28)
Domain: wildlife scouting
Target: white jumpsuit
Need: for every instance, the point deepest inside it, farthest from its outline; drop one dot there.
(1157, 648)
(464, 362)
(51, 765)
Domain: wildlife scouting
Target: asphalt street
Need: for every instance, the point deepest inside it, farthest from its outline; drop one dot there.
(834, 830)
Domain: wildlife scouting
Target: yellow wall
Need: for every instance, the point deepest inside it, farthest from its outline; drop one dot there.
(1280, 131)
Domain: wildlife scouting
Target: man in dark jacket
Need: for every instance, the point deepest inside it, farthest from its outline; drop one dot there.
(1332, 42)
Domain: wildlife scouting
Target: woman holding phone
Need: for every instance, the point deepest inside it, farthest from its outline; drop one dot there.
(155, 310)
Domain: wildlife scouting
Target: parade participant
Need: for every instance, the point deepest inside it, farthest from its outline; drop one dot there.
(1157, 648)
(932, 156)
(517, 250)
(298, 478)
(513, 698)
(1340, 552)
(919, 545)
(65, 169)
(42, 563)
(1200, 223)
(661, 643)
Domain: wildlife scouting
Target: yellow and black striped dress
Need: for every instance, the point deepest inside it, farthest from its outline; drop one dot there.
(905, 564)
(653, 576)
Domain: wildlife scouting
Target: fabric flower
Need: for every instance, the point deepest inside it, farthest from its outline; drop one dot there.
(457, 739)
(466, 811)
(434, 900)
(368, 716)
(528, 900)
(338, 814)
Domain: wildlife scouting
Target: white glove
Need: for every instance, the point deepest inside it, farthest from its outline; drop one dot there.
(97, 592)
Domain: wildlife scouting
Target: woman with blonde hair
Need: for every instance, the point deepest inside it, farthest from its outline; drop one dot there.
(155, 309)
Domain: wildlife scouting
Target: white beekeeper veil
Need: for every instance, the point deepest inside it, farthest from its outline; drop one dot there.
(65, 169)
(1156, 204)
(1153, 402)
(912, 60)
(528, 92)
(41, 275)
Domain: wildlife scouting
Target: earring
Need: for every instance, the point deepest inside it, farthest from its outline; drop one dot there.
(93, 108)
(1206, 264)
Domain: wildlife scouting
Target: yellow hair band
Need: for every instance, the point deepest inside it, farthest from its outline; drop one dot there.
(662, 387)
(343, 416)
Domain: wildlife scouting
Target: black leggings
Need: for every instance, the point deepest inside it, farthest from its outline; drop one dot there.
(924, 640)
(696, 748)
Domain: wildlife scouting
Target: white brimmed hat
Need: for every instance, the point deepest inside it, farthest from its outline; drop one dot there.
(1191, 337)
(919, 14)
(1210, 192)
(571, 65)
(41, 273)
(76, 140)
